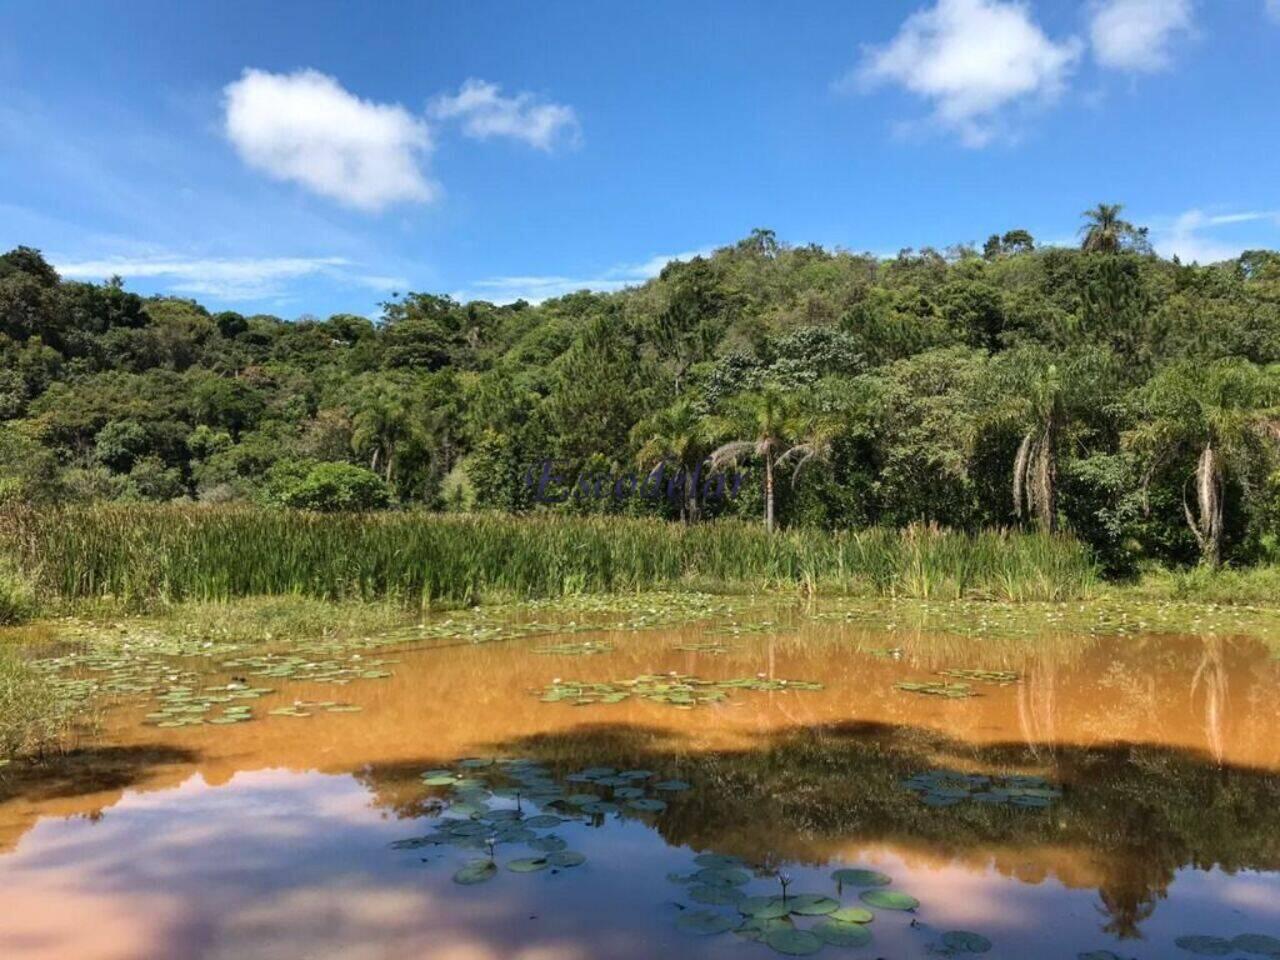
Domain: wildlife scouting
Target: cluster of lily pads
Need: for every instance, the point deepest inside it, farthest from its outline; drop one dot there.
(795, 924)
(701, 646)
(488, 803)
(584, 648)
(946, 788)
(186, 706)
(1000, 677)
(1255, 943)
(675, 689)
(936, 688)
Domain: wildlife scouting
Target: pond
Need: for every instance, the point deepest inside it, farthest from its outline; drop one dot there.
(791, 786)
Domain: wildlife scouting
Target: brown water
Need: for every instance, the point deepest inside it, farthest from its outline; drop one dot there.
(273, 839)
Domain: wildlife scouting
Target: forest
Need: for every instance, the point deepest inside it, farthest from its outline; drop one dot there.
(1100, 389)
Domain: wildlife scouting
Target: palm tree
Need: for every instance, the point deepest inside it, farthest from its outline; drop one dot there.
(677, 433)
(1104, 231)
(1039, 393)
(778, 431)
(1226, 413)
(382, 422)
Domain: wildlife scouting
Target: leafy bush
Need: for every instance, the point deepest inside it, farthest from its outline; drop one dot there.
(332, 487)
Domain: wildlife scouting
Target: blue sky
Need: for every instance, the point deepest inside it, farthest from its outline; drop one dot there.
(314, 157)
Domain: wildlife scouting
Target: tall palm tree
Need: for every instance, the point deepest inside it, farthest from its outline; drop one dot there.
(1038, 393)
(1104, 231)
(676, 433)
(777, 430)
(1226, 414)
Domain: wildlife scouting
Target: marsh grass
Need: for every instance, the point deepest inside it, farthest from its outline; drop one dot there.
(33, 717)
(138, 554)
(17, 594)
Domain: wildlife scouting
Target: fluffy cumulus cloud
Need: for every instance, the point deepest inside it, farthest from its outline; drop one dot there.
(1137, 35)
(972, 59)
(306, 128)
(484, 113)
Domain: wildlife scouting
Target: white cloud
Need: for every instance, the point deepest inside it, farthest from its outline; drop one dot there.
(226, 278)
(972, 59)
(1185, 236)
(306, 128)
(535, 289)
(486, 113)
(1137, 34)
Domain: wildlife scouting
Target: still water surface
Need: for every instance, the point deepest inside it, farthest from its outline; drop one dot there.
(1152, 764)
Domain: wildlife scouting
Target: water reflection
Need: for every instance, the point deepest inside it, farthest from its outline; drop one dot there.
(272, 838)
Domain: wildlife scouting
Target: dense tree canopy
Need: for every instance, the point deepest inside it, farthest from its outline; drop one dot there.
(1130, 399)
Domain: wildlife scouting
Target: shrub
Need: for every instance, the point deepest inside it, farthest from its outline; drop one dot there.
(332, 487)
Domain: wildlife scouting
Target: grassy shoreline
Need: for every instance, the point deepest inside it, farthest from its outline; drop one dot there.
(144, 554)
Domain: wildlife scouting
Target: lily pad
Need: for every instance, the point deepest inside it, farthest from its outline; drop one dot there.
(811, 905)
(718, 896)
(477, 871)
(704, 923)
(757, 928)
(851, 915)
(842, 934)
(528, 864)
(1204, 945)
(850, 877)
(722, 876)
(888, 900)
(648, 805)
(1257, 943)
(763, 908)
(566, 858)
(794, 943)
(962, 941)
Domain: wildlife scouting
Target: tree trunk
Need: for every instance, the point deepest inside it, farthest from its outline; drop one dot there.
(1207, 527)
(1047, 477)
(768, 492)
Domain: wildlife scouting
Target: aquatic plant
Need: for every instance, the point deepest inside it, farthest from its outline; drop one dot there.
(142, 554)
(676, 689)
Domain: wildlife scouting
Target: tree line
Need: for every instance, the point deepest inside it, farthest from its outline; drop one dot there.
(1131, 399)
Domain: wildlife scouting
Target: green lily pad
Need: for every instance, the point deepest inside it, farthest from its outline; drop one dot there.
(1203, 945)
(811, 905)
(528, 864)
(722, 876)
(719, 896)
(757, 928)
(672, 786)
(842, 934)
(544, 820)
(566, 858)
(851, 915)
(1257, 943)
(477, 871)
(763, 908)
(794, 943)
(548, 844)
(962, 941)
(888, 900)
(648, 805)
(704, 923)
(717, 860)
(861, 878)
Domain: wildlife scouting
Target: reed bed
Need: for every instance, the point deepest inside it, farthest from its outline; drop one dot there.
(175, 553)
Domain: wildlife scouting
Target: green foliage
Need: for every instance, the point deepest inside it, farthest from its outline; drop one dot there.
(331, 487)
(1027, 385)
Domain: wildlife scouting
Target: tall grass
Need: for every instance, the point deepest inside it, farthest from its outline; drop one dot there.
(172, 553)
(32, 717)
